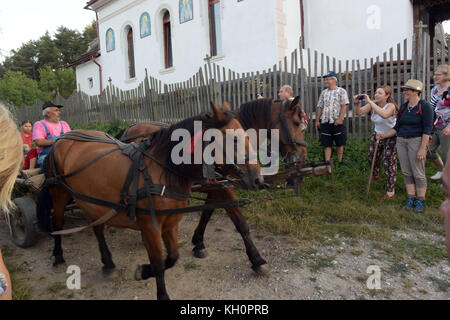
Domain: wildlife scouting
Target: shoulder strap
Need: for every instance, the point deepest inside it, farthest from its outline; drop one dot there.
(62, 129)
(46, 129)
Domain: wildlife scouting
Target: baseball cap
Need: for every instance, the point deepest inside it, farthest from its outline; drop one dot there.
(50, 104)
(331, 74)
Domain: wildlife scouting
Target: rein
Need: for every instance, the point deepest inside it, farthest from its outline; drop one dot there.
(128, 202)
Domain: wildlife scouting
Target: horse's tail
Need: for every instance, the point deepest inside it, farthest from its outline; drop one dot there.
(45, 204)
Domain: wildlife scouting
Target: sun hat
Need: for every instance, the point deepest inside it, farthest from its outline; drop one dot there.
(413, 84)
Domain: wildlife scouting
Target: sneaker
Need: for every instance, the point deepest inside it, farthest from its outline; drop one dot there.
(409, 204)
(437, 176)
(419, 206)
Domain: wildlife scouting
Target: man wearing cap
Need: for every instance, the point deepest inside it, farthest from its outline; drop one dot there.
(45, 132)
(413, 129)
(331, 109)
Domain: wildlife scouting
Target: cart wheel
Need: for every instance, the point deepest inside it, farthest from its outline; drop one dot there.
(23, 222)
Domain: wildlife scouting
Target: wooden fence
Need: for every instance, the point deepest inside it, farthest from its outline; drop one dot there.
(303, 70)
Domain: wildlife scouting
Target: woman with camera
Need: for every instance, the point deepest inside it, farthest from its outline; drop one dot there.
(413, 130)
(441, 107)
(383, 109)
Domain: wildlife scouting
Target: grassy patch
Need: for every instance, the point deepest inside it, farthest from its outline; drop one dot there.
(325, 210)
(20, 289)
(191, 266)
(442, 285)
(321, 263)
(56, 287)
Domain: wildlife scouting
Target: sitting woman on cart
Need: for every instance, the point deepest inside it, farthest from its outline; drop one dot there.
(45, 132)
(11, 155)
(30, 153)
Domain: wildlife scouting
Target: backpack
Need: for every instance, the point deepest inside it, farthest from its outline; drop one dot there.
(402, 108)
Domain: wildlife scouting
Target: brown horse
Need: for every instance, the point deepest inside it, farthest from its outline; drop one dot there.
(258, 114)
(78, 169)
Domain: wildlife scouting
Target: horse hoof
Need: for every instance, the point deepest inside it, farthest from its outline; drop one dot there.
(201, 254)
(138, 273)
(262, 271)
(58, 261)
(109, 272)
(164, 297)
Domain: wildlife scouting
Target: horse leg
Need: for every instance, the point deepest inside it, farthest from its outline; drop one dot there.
(242, 227)
(171, 242)
(60, 200)
(152, 242)
(197, 239)
(108, 264)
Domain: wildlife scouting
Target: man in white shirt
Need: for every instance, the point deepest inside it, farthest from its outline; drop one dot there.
(331, 109)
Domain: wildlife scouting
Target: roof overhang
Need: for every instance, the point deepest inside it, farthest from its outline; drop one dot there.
(95, 4)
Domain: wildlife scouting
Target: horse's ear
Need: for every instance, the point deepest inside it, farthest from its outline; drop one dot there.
(294, 104)
(226, 106)
(218, 114)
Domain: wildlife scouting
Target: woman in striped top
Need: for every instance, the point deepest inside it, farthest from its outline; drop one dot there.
(441, 108)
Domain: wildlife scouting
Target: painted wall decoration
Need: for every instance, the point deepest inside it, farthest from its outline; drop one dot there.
(110, 41)
(144, 22)
(186, 11)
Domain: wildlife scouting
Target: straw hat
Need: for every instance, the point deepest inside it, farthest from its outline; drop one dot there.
(413, 85)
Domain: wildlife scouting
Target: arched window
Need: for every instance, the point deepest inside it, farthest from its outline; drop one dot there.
(131, 69)
(215, 30)
(168, 60)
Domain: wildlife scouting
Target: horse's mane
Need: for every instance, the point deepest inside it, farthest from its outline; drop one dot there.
(252, 112)
(161, 144)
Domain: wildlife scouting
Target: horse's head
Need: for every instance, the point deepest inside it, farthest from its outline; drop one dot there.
(291, 125)
(238, 153)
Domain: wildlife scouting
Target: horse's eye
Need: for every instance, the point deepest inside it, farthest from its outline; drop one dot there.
(297, 124)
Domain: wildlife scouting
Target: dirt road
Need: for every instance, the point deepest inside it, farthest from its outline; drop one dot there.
(334, 270)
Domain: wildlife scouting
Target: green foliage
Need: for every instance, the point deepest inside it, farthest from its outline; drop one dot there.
(48, 83)
(66, 82)
(17, 89)
(48, 53)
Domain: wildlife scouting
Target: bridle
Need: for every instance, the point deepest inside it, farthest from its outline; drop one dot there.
(286, 136)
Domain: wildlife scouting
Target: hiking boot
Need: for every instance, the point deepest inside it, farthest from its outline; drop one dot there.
(419, 206)
(437, 176)
(409, 204)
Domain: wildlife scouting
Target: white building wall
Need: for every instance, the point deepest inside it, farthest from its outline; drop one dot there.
(248, 39)
(356, 29)
(84, 72)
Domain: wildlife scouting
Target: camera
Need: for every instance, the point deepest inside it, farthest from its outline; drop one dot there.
(361, 97)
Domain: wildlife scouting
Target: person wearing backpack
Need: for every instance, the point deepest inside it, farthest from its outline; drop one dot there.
(441, 106)
(413, 129)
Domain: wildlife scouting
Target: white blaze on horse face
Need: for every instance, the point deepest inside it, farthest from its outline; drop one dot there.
(179, 154)
(273, 159)
(213, 152)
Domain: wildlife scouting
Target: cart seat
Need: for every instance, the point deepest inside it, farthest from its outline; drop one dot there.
(31, 172)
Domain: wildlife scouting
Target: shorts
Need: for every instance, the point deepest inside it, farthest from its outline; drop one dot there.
(329, 133)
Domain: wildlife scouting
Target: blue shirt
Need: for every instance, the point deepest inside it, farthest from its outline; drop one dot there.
(411, 123)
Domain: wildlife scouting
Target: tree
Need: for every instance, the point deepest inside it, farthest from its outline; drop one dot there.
(66, 82)
(70, 43)
(24, 60)
(48, 83)
(90, 32)
(48, 53)
(17, 89)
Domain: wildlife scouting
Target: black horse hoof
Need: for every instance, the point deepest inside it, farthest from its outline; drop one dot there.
(109, 272)
(138, 273)
(164, 297)
(201, 254)
(262, 271)
(58, 261)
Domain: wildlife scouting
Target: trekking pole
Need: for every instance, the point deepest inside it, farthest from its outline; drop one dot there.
(371, 168)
